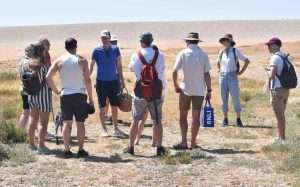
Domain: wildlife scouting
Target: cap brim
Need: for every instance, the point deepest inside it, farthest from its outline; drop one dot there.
(192, 39)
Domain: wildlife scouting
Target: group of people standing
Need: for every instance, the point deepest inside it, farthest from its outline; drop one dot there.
(148, 97)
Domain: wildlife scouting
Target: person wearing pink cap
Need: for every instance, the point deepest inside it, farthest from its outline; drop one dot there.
(279, 93)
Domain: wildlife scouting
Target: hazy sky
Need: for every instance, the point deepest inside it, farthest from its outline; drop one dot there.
(37, 12)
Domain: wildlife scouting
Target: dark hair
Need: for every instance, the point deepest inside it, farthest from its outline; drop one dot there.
(193, 41)
(70, 44)
(147, 44)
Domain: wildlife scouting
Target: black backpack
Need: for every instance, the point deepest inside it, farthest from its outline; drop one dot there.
(31, 82)
(288, 77)
(235, 59)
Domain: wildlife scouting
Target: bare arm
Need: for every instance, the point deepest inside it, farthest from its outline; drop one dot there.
(87, 79)
(175, 82)
(219, 66)
(92, 67)
(120, 70)
(49, 77)
(208, 84)
(272, 72)
(247, 61)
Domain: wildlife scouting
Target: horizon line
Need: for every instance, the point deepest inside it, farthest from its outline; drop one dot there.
(147, 21)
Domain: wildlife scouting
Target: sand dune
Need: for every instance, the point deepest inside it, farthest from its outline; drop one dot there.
(168, 34)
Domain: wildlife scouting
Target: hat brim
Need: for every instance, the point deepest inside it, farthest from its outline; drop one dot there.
(224, 38)
(192, 39)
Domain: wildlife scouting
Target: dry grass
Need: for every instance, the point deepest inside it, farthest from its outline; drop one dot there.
(225, 153)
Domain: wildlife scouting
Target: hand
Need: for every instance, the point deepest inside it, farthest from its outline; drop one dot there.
(208, 96)
(240, 73)
(57, 92)
(178, 89)
(91, 102)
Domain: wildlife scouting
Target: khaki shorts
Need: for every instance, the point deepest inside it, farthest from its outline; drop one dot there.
(185, 102)
(279, 98)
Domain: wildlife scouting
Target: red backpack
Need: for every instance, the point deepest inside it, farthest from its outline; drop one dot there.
(149, 87)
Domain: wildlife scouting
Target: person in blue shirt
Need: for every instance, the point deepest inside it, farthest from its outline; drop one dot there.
(109, 77)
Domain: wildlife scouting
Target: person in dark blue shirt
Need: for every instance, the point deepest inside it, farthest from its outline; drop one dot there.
(109, 77)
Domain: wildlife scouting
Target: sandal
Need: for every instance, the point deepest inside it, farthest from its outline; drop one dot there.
(180, 147)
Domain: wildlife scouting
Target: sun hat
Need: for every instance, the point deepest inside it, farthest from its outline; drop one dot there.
(105, 34)
(227, 37)
(192, 36)
(275, 41)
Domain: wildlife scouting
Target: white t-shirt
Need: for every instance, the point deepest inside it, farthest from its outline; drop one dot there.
(277, 61)
(194, 63)
(227, 62)
(136, 65)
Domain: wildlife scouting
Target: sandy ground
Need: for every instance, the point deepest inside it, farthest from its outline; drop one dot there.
(233, 156)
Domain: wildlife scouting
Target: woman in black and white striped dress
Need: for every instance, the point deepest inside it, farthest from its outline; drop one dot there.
(41, 102)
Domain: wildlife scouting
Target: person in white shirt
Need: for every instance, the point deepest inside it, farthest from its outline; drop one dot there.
(194, 63)
(140, 103)
(229, 68)
(279, 95)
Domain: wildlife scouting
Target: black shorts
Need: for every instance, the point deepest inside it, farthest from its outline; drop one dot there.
(25, 102)
(74, 105)
(110, 90)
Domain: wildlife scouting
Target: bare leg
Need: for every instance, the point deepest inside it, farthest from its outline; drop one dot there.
(34, 119)
(183, 127)
(44, 119)
(107, 108)
(141, 128)
(67, 134)
(114, 113)
(80, 134)
(102, 118)
(157, 133)
(133, 132)
(280, 125)
(195, 126)
(24, 119)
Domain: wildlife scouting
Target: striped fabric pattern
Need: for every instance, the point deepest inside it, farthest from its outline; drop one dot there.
(42, 100)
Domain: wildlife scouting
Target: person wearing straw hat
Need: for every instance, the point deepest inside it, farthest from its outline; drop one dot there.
(109, 73)
(229, 68)
(195, 65)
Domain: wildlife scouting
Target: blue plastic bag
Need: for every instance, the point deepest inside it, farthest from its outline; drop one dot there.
(208, 115)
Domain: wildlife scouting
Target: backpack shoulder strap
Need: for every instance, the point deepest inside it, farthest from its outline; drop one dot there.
(142, 58)
(234, 54)
(144, 61)
(155, 57)
(221, 55)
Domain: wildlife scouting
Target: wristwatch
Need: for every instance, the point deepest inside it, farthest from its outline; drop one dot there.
(209, 90)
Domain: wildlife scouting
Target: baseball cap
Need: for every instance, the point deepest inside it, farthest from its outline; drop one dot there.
(275, 41)
(105, 33)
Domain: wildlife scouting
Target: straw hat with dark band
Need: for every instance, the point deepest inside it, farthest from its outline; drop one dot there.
(227, 37)
(193, 36)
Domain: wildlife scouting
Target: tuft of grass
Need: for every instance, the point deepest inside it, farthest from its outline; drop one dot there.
(245, 96)
(184, 157)
(249, 163)
(15, 155)
(8, 76)
(8, 113)
(9, 133)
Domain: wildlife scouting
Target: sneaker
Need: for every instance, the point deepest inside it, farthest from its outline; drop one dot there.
(180, 146)
(239, 122)
(279, 141)
(161, 151)
(68, 154)
(225, 122)
(33, 148)
(129, 150)
(82, 153)
(104, 132)
(44, 151)
(119, 133)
